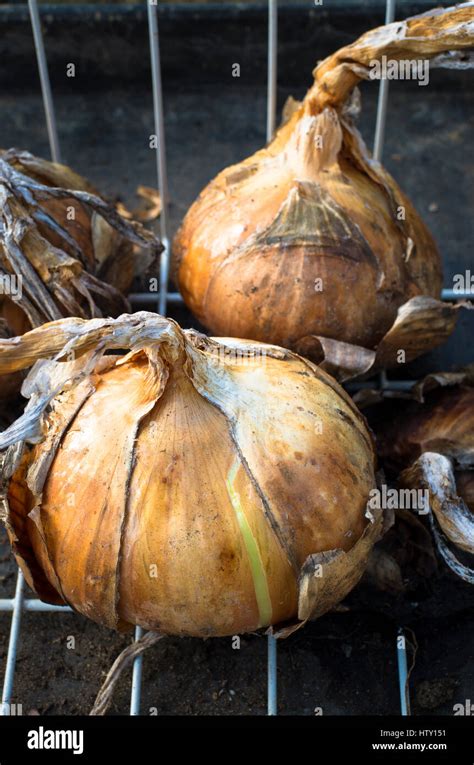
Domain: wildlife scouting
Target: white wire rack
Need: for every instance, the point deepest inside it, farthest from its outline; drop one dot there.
(18, 604)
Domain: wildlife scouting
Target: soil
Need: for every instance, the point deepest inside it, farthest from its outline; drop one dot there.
(345, 663)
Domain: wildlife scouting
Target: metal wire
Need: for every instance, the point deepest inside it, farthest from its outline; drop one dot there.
(162, 174)
(451, 294)
(160, 150)
(447, 294)
(272, 696)
(384, 383)
(136, 678)
(12, 647)
(272, 67)
(383, 95)
(16, 606)
(272, 702)
(32, 604)
(402, 673)
(45, 83)
(148, 297)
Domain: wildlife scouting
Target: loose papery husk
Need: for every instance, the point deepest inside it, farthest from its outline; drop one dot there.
(252, 247)
(77, 267)
(450, 519)
(437, 415)
(426, 440)
(256, 403)
(421, 324)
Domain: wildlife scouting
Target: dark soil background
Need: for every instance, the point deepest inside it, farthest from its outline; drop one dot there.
(345, 663)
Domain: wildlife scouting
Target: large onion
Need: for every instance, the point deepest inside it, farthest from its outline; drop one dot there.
(310, 243)
(194, 486)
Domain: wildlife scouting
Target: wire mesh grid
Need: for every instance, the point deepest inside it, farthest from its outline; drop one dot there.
(18, 603)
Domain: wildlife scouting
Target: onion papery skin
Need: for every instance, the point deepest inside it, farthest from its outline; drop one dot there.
(442, 422)
(310, 243)
(277, 252)
(64, 249)
(73, 251)
(186, 489)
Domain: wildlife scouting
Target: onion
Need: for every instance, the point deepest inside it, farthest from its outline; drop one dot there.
(429, 444)
(73, 251)
(440, 419)
(310, 243)
(193, 487)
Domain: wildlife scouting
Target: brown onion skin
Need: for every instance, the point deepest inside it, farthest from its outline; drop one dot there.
(314, 205)
(269, 293)
(98, 528)
(116, 270)
(444, 424)
(79, 229)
